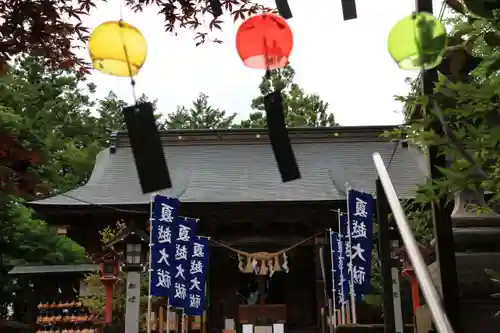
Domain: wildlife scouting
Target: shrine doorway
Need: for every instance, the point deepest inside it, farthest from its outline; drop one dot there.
(262, 289)
(229, 288)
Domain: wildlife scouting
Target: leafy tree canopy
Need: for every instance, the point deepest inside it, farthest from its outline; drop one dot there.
(301, 109)
(48, 114)
(199, 115)
(464, 103)
(96, 299)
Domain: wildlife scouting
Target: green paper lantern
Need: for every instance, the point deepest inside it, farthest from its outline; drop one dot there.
(417, 41)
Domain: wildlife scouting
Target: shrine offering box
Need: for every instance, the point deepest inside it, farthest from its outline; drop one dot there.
(256, 314)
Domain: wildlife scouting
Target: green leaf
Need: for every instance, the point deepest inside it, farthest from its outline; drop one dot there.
(461, 30)
(492, 39)
(478, 8)
(451, 174)
(493, 66)
(456, 6)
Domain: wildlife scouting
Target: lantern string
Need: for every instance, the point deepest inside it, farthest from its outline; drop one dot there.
(416, 35)
(121, 10)
(125, 51)
(266, 59)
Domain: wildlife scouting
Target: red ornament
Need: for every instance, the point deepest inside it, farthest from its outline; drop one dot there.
(109, 275)
(415, 293)
(264, 42)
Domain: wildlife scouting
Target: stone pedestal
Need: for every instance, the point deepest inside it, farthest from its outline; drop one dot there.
(132, 315)
(477, 246)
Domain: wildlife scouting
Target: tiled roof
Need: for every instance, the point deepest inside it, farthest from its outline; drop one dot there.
(239, 166)
(43, 269)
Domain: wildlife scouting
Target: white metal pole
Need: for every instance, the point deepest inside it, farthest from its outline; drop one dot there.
(431, 295)
(396, 290)
(328, 315)
(334, 295)
(351, 275)
(150, 271)
(396, 294)
(183, 322)
(132, 309)
(331, 316)
(168, 316)
(343, 305)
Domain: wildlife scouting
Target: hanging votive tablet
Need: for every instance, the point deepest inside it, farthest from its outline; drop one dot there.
(417, 41)
(117, 48)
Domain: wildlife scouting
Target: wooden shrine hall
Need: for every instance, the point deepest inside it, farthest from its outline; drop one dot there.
(229, 180)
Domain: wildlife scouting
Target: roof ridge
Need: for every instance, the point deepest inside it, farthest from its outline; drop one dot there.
(260, 135)
(291, 129)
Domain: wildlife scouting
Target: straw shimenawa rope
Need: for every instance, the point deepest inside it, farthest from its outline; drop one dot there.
(261, 256)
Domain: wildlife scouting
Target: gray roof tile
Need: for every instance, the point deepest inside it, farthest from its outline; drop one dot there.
(43, 269)
(246, 172)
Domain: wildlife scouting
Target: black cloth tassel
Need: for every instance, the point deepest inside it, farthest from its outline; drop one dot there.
(284, 9)
(216, 7)
(278, 135)
(349, 9)
(147, 148)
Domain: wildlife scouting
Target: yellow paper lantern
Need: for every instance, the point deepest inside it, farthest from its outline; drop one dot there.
(117, 48)
(417, 41)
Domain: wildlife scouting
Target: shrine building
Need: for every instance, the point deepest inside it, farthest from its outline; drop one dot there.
(230, 181)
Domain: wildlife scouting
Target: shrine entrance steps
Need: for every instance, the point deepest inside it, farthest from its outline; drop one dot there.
(360, 328)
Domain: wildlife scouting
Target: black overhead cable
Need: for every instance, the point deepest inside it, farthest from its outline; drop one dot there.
(120, 210)
(92, 203)
(116, 209)
(394, 150)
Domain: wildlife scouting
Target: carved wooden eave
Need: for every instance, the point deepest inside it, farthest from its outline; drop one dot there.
(129, 231)
(107, 254)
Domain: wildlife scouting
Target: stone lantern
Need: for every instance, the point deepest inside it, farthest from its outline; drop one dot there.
(476, 231)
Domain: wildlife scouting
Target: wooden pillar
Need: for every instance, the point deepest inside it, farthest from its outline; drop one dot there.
(262, 289)
(161, 319)
(319, 243)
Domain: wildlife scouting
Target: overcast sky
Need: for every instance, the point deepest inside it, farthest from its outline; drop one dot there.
(346, 63)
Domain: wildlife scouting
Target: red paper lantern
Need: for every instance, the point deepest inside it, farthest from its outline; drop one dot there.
(264, 42)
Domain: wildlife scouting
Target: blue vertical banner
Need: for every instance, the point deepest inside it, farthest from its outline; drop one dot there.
(360, 214)
(184, 233)
(340, 275)
(197, 277)
(165, 212)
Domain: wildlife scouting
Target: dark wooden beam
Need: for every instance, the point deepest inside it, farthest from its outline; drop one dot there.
(441, 209)
(251, 241)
